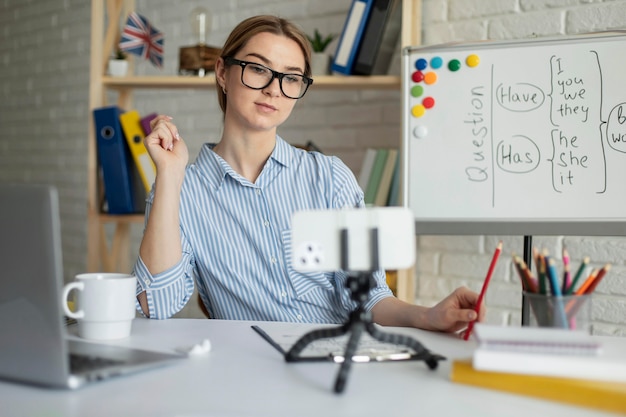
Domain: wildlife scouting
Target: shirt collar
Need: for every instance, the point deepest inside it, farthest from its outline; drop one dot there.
(282, 152)
(216, 167)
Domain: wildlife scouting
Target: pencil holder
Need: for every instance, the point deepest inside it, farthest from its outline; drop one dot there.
(566, 312)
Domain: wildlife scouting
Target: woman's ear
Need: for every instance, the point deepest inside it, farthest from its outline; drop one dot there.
(220, 73)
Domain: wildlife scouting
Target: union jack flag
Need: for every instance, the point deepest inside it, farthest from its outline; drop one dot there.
(139, 37)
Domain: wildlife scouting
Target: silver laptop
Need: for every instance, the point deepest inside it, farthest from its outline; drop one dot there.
(34, 347)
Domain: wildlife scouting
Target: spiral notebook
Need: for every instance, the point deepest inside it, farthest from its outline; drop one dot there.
(547, 352)
(536, 340)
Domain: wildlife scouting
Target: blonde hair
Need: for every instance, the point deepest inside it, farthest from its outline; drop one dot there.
(252, 26)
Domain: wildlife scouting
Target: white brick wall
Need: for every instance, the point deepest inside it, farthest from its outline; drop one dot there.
(44, 80)
(44, 64)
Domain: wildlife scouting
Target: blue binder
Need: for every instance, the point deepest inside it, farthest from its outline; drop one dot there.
(351, 36)
(379, 38)
(115, 160)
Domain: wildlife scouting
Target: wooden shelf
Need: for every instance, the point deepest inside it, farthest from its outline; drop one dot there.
(119, 218)
(326, 82)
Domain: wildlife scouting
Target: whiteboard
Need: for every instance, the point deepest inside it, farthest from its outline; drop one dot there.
(516, 137)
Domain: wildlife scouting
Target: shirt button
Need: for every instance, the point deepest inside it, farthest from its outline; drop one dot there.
(283, 294)
(266, 223)
(273, 260)
(299, 316)
(258, 191)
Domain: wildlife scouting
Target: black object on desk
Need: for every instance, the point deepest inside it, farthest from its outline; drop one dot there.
(360, 320)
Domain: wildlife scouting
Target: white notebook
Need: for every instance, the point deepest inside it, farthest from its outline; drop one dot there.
(536, 340)
(548, 352)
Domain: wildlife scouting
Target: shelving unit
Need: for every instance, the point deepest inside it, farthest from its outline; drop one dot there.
(376, 82)
(115, 255)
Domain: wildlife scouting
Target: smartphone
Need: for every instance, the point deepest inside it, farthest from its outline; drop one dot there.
(318, 245)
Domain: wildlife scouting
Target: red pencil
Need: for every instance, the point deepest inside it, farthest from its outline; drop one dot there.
(494, 260)
(528, 281)
(532, 284)
(590, 285)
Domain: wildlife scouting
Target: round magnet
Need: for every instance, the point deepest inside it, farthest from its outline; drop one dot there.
(420, 132)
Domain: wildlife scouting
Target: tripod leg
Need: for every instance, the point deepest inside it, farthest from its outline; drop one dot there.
(399, 339)
(310, 337)
(353, 342)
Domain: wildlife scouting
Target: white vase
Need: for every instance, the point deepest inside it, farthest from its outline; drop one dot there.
(118, 67)
(320, 63)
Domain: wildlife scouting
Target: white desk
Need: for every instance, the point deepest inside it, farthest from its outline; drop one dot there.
(244, 376)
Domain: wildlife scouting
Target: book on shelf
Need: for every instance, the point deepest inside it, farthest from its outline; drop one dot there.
(351, 36)
(547, 352)
(366, 167)
(145, 123)
(382, 193)
(134, 134)
(394, 189)
(601, 395)
(374, 179)
(380, 38)
(115, 162)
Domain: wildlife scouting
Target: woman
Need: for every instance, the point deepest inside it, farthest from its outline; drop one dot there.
(225, 219)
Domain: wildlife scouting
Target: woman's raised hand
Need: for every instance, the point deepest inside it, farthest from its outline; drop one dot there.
(165, 146)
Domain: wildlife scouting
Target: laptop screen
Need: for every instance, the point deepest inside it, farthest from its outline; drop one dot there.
(30, 284)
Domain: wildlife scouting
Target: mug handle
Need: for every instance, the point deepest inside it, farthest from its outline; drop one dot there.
(66, 292)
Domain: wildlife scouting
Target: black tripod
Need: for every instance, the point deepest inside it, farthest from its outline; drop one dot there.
(360, 320)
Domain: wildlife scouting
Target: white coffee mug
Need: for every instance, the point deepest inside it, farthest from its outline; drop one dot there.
(104, 304)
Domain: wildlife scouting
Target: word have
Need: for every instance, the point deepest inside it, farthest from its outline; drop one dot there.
(519, 97)
(477, 172)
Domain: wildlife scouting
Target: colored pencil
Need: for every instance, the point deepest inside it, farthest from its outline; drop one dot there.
(567, 276)
(583, 288)
(552, 275)
(492, 266)
(589, 287)
(541, 267)
(536, 259)
(518, 268)
(556, 291)
(528, 281)
(571, 289)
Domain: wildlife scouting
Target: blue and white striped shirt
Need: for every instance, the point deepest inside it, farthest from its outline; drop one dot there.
(236, 241)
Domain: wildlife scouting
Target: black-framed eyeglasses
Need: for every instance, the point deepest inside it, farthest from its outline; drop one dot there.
(257, 77)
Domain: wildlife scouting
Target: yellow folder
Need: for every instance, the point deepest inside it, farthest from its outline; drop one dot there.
(607, 396)
(133, 132)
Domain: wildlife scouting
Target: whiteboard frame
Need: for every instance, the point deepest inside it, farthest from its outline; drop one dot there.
(499, 226)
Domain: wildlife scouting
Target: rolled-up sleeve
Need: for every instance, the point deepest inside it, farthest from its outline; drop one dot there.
(166, 292)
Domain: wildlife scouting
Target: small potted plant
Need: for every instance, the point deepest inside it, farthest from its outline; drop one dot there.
(320, 60)
(118, 65)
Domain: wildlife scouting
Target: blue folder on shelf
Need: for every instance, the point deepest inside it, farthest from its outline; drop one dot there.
(115, 160)
(351, 36)
(380, 38)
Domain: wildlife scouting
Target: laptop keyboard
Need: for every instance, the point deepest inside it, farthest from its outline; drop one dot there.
(85, 363)
(69, 321)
